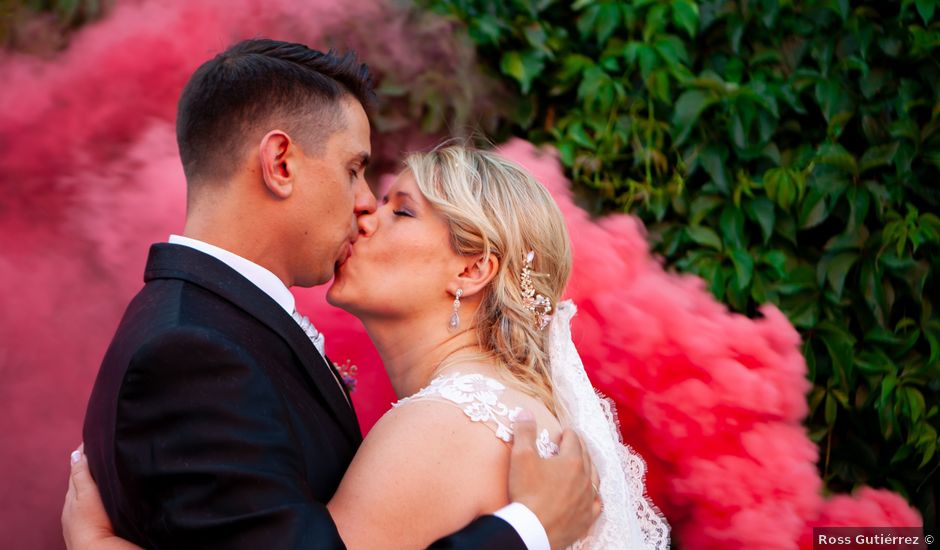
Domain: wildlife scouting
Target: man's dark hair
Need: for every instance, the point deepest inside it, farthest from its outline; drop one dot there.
(256, 86)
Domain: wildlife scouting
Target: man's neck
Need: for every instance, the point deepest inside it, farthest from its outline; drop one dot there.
(245, 244)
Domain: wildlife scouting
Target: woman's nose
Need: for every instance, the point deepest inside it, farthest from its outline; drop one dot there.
(368, 222)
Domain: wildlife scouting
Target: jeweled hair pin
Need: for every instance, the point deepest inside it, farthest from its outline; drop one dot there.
(539, 305)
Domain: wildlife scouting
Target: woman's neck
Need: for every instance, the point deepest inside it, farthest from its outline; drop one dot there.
(413, 350)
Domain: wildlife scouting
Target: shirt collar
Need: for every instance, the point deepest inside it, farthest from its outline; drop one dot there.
(268, 282)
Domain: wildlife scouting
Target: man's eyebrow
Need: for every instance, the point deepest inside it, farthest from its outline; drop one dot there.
(362, 159)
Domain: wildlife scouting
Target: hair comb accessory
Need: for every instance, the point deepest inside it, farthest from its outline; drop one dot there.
(539, 305)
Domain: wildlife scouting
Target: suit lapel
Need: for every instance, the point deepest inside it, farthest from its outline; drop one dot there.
(181, 262)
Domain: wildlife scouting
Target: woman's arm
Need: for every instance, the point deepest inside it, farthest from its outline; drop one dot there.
(85, 525)
(424, 471)
(436, 454)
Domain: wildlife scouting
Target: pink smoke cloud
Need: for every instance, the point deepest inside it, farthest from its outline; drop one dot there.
(91, 177)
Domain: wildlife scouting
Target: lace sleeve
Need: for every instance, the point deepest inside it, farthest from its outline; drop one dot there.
(478, 397)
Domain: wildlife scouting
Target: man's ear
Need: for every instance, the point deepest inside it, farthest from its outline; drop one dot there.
(277, 154)
(477, 273)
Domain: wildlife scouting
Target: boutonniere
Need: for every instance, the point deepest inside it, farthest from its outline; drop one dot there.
(347, 372)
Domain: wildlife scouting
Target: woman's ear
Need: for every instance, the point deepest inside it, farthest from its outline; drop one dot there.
(277, 156)
(477, 273)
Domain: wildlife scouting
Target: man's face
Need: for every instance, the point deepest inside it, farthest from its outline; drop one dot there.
(332, 191)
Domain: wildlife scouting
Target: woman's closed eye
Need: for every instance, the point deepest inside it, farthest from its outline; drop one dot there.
(403, 213)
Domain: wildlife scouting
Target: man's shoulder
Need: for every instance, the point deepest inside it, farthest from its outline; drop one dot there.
(175, 323)
(174, 305)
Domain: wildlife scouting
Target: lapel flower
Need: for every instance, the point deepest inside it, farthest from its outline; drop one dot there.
(347, 373)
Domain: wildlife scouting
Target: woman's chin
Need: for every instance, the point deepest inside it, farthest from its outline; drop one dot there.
(334, 294)
(339, 296)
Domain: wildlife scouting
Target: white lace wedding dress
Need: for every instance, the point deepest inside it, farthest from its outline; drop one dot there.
(628, 520)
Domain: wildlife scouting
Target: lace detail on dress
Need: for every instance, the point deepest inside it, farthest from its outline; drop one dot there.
(546, 447)
(478, 397)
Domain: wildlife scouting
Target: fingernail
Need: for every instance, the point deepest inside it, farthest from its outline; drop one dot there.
(525, 416)
(76, 456)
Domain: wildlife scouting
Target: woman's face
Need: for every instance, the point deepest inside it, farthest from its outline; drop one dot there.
(403, 261)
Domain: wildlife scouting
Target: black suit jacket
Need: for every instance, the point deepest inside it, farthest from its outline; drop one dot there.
(214, 422)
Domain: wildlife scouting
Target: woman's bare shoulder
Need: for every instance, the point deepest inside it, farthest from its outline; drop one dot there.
(423, 459)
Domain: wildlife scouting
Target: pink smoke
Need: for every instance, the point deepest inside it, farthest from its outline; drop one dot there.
(91, 177)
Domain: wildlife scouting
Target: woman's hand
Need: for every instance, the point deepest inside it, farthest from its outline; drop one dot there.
(85, 524)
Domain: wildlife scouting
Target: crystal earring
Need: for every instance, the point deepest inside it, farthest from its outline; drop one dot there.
(455, 318)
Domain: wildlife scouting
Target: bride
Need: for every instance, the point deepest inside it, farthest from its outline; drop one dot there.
(457, 278)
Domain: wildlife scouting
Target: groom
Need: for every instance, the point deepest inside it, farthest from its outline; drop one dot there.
(215, 421)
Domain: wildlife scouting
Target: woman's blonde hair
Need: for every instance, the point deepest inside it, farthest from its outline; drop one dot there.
(494, 206)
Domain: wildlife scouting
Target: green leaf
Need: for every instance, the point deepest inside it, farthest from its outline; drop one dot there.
(672, 51)
(777, 260)
(712, 159)
(577, 133)
(835, 155)
(873, 362)
(566, 152)
(573, 65)
(915, 400)
(685, 16)
(879, 155)
(782, 186)
(701, 206)
(743, 267)
(522, 66)
(838, 269)
(839, 343)
(818, 393)
(704, 236)
(929, 451)
(902, 454)
(648, 60)
(932, 335)
(485, 29)
(762, 211)
(831, 410)
(535, 36)
(813, 210)
(834, 100)
(687, 111)
(587, 21)
(926, 8)
(732, 226)
(608, 19)
(871, 83)
(887, 390)
(873, 291)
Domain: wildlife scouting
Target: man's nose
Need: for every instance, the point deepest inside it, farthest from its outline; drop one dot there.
(365, 209)
(365, 200)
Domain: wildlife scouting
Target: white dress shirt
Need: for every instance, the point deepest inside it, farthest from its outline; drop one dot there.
(268, 282)
(518, 515)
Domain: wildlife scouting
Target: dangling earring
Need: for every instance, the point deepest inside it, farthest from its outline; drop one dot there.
(455, 318)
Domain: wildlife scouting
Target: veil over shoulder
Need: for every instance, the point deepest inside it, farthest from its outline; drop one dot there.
(629, 519)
